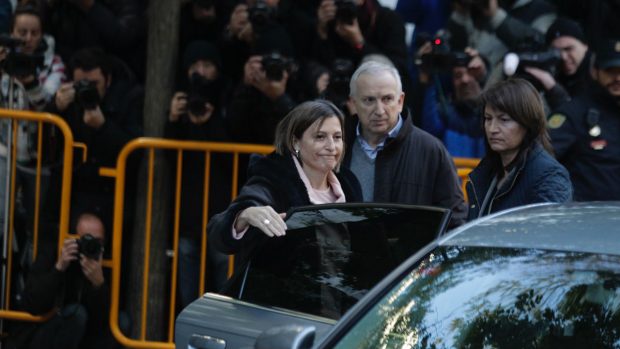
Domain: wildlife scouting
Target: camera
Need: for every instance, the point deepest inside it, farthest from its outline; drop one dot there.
(441, 58)
(531, 53)
(19, 63)
(274, 65)
(89, 246)
(86, 94)
(346, 11)
(260, 14)
(200, 93)
(339, 78)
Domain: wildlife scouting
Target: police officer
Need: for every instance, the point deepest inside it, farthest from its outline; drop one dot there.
(585, 132)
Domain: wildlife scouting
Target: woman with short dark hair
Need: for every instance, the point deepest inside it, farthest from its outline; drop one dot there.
(518, 168)
(304, 170)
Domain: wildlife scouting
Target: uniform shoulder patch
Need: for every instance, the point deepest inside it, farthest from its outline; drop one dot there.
(556, 120)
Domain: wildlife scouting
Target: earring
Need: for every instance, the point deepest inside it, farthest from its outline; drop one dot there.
(297, 153)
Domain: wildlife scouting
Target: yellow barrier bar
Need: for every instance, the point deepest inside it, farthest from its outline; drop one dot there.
(23, 316)
(58, 122)
(118, 173)
(37, 192)
(205, 221)
(175, 244)
(84, 150)
(12, 168)
(147, 245)
(235, 180)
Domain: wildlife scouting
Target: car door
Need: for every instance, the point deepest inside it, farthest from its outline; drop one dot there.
(331, 256)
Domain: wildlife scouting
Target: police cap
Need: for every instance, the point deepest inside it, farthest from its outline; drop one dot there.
(608, 54)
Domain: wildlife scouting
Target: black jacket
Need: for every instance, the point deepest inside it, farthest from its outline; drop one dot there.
(593, 160)
(274, 181)
(538, 177)
(122, 108)
(414, 168)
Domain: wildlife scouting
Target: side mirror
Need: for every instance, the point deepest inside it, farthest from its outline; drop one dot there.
(286, 337)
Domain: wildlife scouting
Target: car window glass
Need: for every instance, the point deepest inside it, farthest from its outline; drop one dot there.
(323, 268)
(472, 297)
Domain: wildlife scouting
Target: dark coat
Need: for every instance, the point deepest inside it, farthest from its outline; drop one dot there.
(273, 181)
(538, 177)
(593, 160)
(414, 168)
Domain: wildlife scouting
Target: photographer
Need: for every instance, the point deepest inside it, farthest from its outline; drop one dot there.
(352, 29)
(495, 26)
(455, 117)
(74, 285)
(252, 24)
(573, 76)
(197, 115)
(104, 111)
(262, 99)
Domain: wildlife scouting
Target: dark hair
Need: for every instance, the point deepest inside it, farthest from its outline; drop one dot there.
(521, 101)
(88, 59)
(298, 120)
(26, 9)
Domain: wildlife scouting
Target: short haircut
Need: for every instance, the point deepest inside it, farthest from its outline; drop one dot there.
(298, 120)
(521, 101)
(374, 68)
(88, 59)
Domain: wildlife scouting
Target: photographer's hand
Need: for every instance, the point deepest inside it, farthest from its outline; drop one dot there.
(201, 119)
(64, 96)
(272, 89)
(476, 65)
(252, 70)
(68, 254)
(325, 13)
(92, 270)
(94, 117)
(239, 25)
(351, 33)
(545, 78)
(178, 106)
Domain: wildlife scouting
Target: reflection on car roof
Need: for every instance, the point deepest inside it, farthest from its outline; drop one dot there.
(579, 227)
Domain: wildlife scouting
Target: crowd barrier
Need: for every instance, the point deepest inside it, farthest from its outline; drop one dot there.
(10, 123)
(119, 173)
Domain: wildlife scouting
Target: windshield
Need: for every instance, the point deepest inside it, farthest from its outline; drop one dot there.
(472, 297)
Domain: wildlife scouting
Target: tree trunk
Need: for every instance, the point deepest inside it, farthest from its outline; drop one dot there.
(163, 19)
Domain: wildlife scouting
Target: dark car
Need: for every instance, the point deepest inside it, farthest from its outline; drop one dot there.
(331, 256)
(541, 276)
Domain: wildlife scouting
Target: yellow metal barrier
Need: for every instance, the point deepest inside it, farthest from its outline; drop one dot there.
(463, 167)
(151, 144)
(40, 118)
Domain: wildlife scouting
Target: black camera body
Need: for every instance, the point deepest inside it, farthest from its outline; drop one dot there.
(86, 94)
(260, 14)
(89, 246)
(340, 77)
(199, 93)
(18, 63)
(441, 58)
(274, 65)
(346, 11)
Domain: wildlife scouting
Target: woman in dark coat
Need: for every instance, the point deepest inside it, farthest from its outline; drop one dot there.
(518, 168)
(304, 169)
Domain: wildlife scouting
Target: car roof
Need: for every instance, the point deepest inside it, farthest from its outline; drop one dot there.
(592, 227)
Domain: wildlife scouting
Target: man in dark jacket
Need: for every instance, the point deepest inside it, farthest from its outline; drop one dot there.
(584, 132)
(75, 284)
(197, 115)
(104, 111)
(394, 160)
